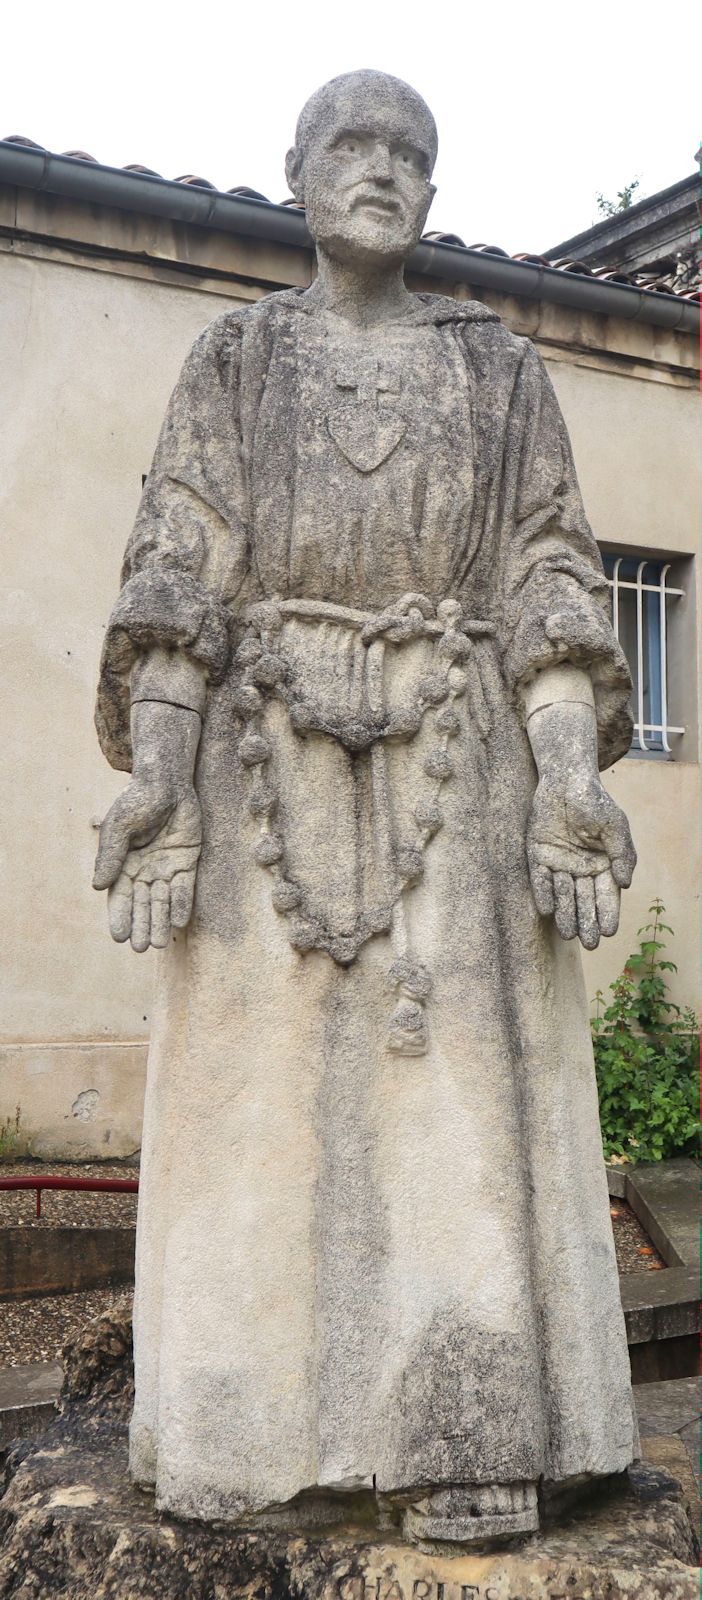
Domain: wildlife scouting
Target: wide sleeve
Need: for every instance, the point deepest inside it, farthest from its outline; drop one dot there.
(187, 557)
(555, 604)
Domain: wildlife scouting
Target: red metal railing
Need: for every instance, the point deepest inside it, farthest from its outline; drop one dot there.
(89, 1185)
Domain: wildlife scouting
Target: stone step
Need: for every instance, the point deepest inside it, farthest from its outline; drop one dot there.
(28, 1396)
(662, 1309)
(668, 1410)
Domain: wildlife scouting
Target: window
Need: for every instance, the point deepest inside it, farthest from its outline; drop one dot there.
(642, 602)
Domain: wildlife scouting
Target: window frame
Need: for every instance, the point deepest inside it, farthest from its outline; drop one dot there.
(651, 739)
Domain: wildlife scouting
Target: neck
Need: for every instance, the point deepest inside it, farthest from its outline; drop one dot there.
(362, 294)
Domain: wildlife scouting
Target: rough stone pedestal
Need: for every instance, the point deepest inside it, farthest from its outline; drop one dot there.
(72, 1525)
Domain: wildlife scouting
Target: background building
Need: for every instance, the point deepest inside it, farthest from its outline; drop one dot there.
(107, 277)
(655, 243)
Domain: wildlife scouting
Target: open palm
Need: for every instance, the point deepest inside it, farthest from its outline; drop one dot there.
(150, 844)
(581, 855)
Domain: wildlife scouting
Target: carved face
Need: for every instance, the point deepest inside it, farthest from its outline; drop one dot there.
(364, 169)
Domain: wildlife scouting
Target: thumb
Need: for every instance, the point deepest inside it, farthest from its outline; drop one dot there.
(617, 840)
(123, 820)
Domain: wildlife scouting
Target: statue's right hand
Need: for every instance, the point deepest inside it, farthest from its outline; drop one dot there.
(150, 844)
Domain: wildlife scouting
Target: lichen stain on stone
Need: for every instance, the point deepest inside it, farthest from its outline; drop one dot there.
(467, 1389)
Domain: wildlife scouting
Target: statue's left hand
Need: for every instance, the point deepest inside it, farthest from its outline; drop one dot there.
(580, 854)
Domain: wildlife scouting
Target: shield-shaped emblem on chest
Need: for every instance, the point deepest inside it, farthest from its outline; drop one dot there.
(364, 430)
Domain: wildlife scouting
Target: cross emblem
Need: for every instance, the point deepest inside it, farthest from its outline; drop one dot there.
(365, 434)
(368, 381)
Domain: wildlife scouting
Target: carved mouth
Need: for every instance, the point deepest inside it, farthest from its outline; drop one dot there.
(376, 203)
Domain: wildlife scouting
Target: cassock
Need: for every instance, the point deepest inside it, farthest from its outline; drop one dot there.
(374, 1244)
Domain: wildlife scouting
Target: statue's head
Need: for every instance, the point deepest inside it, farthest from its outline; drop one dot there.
(365, 147)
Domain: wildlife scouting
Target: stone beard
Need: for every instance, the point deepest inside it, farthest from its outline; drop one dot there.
(362, 601)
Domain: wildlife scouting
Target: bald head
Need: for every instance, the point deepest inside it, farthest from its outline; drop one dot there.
(362, 97)
(364, 152)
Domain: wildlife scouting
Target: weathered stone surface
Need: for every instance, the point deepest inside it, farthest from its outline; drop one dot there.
(71, 1525)
(363, 671)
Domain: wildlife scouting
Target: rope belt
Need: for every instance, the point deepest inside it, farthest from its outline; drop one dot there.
(265, 671)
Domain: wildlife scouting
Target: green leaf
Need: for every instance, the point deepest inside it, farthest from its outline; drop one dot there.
(646, 1054)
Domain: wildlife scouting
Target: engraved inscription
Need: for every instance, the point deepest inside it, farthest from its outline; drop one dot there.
(385, 1586)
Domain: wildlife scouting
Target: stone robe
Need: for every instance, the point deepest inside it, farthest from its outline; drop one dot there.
(374, 1245)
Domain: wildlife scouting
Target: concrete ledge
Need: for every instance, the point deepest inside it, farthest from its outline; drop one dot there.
(665, 1360)
(37, 1261)
(666, 1199)
(28, 1396)
(660, 1305)
(665, 1196)
(662, 1309)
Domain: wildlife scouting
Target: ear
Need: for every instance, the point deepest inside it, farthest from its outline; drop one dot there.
(293, 173)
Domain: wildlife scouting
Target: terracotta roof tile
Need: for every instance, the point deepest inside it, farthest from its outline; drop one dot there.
(197, 183)
(677, 284)
(19, 138)
(249, 194)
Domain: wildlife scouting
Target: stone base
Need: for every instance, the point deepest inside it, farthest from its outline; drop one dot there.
(72, 1525)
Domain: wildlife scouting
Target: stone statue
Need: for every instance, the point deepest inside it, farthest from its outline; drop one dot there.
(362, 673)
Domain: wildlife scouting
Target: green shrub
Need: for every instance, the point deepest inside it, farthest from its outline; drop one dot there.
(9, 1136)
(646, 1058)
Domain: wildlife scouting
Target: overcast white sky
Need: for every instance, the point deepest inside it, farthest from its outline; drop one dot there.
(538, 105)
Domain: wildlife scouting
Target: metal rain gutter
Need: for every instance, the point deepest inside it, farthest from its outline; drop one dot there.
(24, 167)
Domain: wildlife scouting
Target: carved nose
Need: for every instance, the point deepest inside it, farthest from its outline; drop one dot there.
(381, 166)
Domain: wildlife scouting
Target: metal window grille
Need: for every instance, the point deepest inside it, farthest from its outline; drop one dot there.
(640, 600)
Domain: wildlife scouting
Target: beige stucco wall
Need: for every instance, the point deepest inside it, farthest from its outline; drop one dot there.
(636, 445)
(77, 1101)
(92, 358)
(92, 355)
(635, 440)
(662, 801)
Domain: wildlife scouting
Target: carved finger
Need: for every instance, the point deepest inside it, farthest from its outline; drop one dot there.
(119, 908)
(588, 930)
(160, 914)
(607, 896)
(141, 917)
(566, 917)
(182, 888)
(542, 889)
